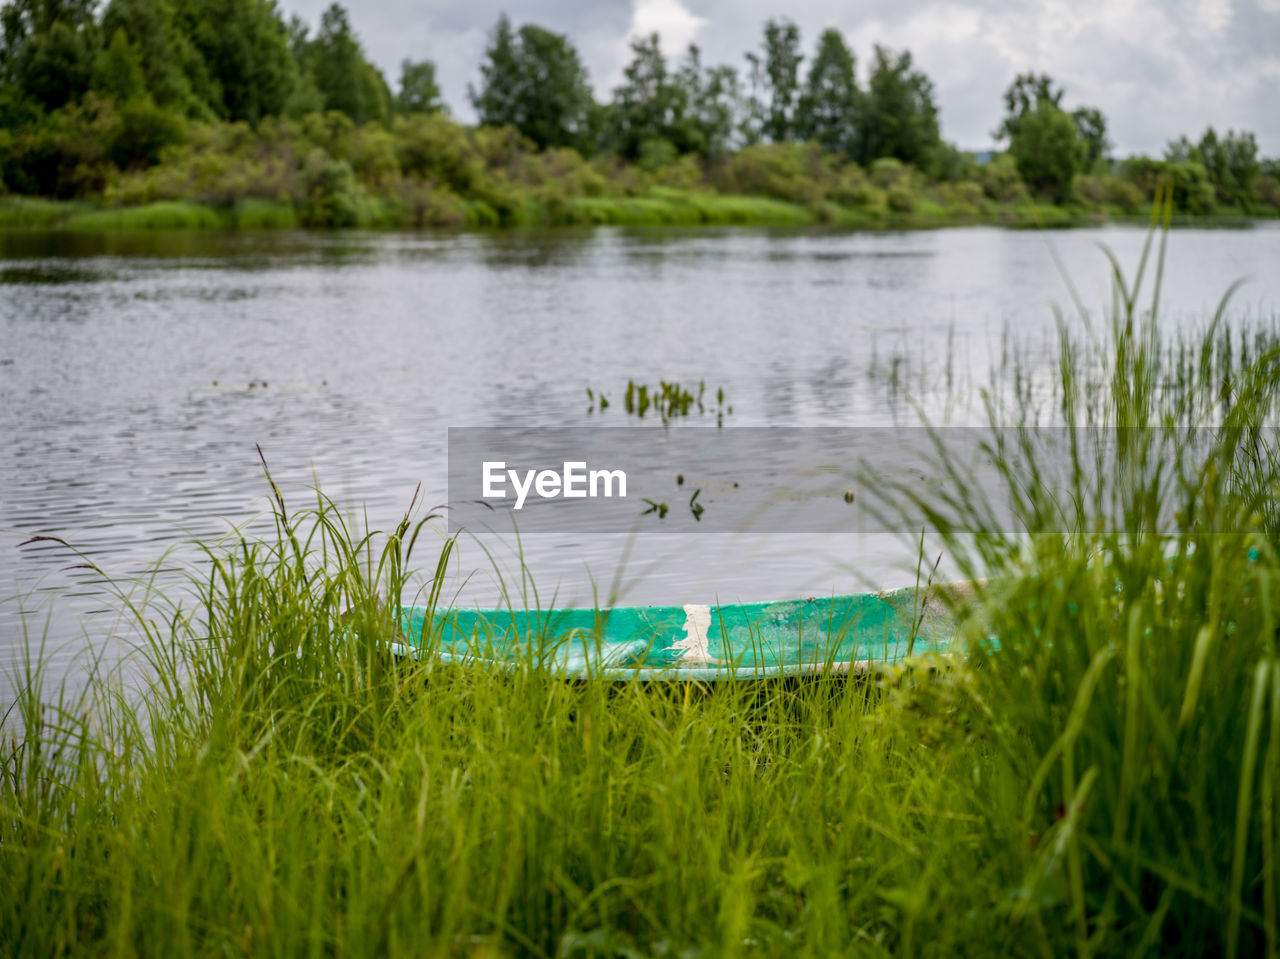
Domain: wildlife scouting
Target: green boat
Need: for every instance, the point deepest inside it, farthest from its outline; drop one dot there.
(831, 635)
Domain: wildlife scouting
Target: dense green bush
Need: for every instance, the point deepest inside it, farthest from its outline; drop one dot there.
(965, 198)
(144, 132)
(1269, 191)
(220, 164)
(1125, 195)
(887, 172)
(901, 198)
(67, 155)
(572, 173)
(333, 197)
(1046, 150)
(1192, 190)
(429, 146)
(373, 157)
(1109, 190)
(417, 203)
(853, 188)
(797, 172)
(1001, 181)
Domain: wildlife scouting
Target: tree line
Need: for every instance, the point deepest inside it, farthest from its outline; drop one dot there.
(534, 80)
(141, 78)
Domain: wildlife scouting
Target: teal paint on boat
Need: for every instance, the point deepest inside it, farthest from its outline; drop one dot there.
(742, 641)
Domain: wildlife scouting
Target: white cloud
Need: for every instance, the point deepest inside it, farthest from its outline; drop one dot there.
(1156, 68)
(670, 19)
(1215, 14)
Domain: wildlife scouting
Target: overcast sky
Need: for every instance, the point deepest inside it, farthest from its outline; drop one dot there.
(1156, 68)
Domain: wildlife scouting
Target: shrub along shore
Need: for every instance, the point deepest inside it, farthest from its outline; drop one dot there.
(343, 201)
(426, 170)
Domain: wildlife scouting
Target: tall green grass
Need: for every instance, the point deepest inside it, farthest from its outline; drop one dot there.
(658, 206)
(688, 208)
(1134, 694)
(1102, 781)
(253, 214)
(32, 212)
(166, 215)
(284, 785)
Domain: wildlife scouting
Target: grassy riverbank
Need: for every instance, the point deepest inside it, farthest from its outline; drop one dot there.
(1106, 782)
(428, 171)
(660, 207)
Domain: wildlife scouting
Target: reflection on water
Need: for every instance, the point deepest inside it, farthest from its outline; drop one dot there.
(138, 371)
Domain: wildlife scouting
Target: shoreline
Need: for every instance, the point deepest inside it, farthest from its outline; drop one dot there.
(659, 208)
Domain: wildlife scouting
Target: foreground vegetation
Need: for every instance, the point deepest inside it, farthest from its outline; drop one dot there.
(153, 114)
(1105, 781)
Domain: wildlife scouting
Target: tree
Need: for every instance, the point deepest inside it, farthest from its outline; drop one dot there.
(1181, 150)
(174, 73)
(305, 98)
(1047, 150)
(653, 105)
(1091, 128)
(498, 100)
(953, 165)
(347, 82)
(118, 71)
(711, 102)
(1027, 92)
(419, 92)
(1044, 139)
(900, 119)
(780, 71)
(1233, 166)
(244, 46)
(1187, 177)
(144, 131)
(534, 80)
(644, 104)
(751, 116)
(48, 49)
(829, 105)
(375, 93)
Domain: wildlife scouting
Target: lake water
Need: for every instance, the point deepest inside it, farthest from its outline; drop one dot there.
(138, 374)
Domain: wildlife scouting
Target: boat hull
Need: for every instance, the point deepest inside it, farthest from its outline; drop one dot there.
(820, 635)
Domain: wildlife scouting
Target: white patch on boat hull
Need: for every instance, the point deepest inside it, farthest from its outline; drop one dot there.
(695, 647)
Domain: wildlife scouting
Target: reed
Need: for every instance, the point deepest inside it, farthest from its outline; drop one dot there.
(165, 215)
(1131, 694)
